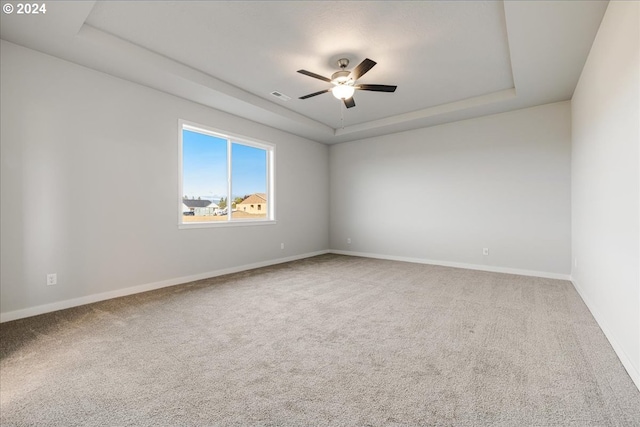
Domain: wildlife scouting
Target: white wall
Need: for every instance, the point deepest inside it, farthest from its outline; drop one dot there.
(443, 193)
(606, 181)
(77, 146)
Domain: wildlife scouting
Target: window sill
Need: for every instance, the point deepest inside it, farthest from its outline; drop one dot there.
(218, 224)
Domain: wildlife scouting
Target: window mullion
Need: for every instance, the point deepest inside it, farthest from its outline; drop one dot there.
(270, 185)
(229, 180)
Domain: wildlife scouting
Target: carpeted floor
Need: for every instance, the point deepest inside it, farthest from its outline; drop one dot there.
(326, 341)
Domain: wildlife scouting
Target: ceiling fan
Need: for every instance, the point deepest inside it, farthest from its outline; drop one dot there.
(344, 82)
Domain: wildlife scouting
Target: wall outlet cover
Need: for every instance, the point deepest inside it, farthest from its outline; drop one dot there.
(52, 279)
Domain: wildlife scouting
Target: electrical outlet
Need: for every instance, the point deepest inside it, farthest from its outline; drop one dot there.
(348, 240)
(52, 279)
(281, 245)
(485, 251)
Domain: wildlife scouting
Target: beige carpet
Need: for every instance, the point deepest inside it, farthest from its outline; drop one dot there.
(327, 341)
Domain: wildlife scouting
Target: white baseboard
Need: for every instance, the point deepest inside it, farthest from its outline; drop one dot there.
(75, 302)
(626, 361)
(489, 268)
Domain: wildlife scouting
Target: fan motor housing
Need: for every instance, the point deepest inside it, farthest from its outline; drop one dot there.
(340, 77)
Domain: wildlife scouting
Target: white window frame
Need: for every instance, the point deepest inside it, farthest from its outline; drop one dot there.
(231, 139)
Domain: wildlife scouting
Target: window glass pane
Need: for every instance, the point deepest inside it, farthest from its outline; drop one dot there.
(248, 182)
(204, 177)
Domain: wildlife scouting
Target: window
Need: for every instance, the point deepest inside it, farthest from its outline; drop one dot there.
(223, 177)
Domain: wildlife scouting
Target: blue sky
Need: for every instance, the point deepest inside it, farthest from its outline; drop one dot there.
(204, 167)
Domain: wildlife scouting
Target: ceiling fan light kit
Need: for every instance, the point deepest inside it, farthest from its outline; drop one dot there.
(343, 91)
(345, 82)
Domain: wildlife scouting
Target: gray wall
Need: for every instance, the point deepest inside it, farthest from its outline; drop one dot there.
(606, 181)
(90, 186)
(443, 193)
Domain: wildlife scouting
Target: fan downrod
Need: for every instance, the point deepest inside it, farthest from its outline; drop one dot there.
(342, 76)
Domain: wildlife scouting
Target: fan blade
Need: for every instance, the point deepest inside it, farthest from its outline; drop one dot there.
(362, 68)
(377, 88)
(314, 75)
(314, 94)
(349, 102)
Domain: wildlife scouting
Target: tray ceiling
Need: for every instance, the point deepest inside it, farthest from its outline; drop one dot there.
(451, 60)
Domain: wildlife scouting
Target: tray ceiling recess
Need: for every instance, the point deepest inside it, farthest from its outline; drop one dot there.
(449, 60)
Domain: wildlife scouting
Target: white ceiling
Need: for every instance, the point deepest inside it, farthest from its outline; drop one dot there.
(451, 60)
